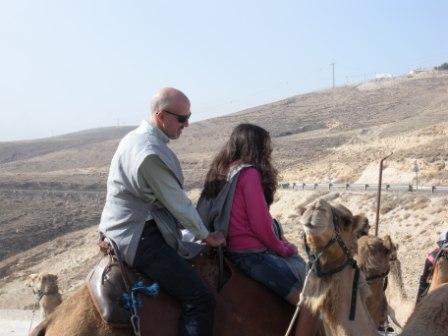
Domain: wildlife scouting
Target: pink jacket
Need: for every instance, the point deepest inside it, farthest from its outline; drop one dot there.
(250, 225)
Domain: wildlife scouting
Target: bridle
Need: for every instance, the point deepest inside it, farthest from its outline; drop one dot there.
(315, 266)
(383, 276)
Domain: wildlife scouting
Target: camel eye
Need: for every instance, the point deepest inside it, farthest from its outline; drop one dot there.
(346, 222)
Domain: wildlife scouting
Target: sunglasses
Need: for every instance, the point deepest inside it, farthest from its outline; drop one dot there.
(180, 118)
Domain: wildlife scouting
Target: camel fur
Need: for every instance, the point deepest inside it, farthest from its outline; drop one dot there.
(431, 315)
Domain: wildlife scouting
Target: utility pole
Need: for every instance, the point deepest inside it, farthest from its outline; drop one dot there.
(332, 64)
(416, 169)
(378, 199)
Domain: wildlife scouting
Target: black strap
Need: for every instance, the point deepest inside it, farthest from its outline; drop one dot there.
(354, 294)
(386, 282)
(221, 268)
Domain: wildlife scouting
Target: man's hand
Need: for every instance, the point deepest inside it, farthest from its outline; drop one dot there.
(215, 239)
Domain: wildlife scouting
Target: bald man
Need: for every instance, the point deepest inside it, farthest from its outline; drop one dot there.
(146, 207)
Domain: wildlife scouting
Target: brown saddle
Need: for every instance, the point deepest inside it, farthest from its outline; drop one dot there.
(106, 282)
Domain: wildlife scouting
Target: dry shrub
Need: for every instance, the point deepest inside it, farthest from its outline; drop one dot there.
(420, 202)
(442, 202)
(436, 210)
(388, 204)
(416, 202)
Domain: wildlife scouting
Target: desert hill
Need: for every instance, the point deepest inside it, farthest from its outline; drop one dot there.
(52, 190)
(304, 127)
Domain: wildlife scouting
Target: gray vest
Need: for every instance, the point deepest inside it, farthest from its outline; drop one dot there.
(127, 208)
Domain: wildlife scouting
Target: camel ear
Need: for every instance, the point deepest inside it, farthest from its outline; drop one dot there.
(31, 278)
(387, 242)
(361, 226)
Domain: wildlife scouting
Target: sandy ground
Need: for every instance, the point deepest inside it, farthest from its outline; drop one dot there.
(17, 322)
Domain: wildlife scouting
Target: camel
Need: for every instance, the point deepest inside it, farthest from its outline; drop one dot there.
(373, 258)
(440, 272)
(431, 314)
(332, 295)
(330, 236)
(45, 287)
(244, 307)
(400, 305)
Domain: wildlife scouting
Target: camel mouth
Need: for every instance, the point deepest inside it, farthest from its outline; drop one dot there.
(316, 222)
(317, 218)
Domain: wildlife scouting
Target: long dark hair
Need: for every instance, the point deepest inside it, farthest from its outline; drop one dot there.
(249, 144)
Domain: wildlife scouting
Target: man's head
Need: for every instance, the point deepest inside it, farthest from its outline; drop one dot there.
(170, 110)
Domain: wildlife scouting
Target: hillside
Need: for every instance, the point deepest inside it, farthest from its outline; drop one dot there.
(52, 190)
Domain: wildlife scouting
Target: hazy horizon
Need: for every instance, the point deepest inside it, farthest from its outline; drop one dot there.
(71, 66)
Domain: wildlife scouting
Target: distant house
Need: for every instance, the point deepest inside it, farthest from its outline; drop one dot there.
(383, 76)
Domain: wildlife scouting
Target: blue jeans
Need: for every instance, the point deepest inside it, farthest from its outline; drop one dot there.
(156, 259)
(272, 270)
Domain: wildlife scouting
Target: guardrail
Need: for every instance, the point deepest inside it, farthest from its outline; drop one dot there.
(363, 187)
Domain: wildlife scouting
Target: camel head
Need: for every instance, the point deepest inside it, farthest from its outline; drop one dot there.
(373, 259)
(374, 255)
(322, 222)
(43, 282)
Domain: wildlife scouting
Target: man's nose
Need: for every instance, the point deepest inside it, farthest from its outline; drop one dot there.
(186, 124)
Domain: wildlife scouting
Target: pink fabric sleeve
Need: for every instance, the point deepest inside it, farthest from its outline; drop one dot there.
(260, 220)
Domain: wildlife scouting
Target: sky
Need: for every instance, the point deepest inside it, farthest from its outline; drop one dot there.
(67, 66)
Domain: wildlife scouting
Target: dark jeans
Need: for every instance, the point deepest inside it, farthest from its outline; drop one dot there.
(176, 276)
(271, 270)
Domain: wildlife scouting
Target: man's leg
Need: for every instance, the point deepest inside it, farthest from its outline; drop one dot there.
(161, 263)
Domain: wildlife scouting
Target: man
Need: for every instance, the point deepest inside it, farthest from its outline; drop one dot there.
(146, 206)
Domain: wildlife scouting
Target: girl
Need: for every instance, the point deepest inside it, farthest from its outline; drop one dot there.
(252, 242)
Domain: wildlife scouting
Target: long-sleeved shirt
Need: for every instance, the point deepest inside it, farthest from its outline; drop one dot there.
(141, 162)
(250, 225)
(164, 187)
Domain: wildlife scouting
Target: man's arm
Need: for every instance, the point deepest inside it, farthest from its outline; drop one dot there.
(166, 189)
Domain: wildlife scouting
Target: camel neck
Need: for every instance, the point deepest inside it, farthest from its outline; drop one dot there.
(338, 315)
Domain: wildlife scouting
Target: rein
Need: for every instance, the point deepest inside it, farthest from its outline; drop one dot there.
(315, 266)
(39, 294)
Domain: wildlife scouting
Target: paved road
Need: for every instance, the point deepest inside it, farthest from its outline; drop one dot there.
(16, 322)
(364, 187)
